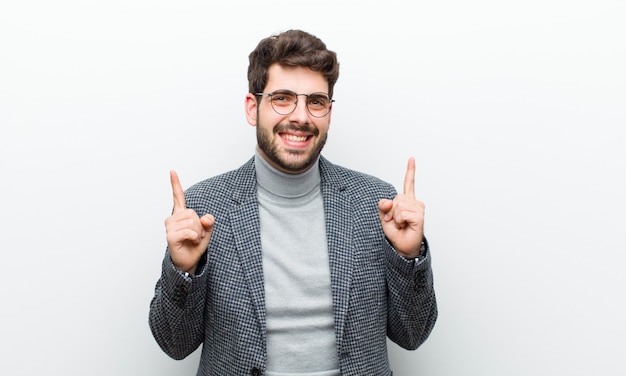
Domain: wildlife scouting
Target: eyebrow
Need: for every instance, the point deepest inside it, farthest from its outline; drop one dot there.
(287, 91)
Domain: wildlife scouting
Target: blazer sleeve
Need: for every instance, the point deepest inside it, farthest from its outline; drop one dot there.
(412, 306)
(177, 310)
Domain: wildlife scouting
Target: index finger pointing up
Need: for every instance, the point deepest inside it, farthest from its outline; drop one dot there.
(177, 191)
(409, 178)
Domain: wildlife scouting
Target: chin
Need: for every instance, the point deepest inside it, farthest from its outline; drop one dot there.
(300, 163)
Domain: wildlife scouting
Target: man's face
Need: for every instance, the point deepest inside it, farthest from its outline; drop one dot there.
(291, 143)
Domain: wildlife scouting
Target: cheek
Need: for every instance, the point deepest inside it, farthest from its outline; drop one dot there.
(267, 123)
(323, 126)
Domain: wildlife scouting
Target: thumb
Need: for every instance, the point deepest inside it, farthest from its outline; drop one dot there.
(207, 221)
(384, 207)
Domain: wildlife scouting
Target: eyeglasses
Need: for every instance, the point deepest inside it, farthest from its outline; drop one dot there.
(284, 102)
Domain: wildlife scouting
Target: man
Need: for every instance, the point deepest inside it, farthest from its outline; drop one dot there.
(291, 265)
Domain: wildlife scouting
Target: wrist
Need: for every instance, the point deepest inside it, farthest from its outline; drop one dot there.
(416, 254)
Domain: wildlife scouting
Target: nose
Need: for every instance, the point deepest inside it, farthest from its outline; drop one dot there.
(300, 114)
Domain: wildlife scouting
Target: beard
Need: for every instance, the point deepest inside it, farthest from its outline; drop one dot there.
(290, 161)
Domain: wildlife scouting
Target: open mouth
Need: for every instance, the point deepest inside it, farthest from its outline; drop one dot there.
(294, 138)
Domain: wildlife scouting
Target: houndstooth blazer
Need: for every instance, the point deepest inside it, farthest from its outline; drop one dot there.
(376, 293)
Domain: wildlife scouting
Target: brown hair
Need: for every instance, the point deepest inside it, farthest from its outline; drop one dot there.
(292, 48)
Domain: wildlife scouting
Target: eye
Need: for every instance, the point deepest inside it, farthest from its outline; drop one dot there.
(318, 101)
(283, 99)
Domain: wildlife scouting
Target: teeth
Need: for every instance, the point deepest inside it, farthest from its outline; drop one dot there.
(290, 137)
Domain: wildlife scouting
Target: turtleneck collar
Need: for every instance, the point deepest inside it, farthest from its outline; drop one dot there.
(285, 185)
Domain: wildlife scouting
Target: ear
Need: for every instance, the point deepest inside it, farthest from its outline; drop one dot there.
(251, 109)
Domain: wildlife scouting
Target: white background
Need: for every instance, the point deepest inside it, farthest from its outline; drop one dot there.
(514, 110)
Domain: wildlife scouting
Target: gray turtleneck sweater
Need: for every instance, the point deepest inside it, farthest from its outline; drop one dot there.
(298, 298)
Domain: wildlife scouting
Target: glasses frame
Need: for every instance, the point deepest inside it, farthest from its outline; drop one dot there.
(284, 92)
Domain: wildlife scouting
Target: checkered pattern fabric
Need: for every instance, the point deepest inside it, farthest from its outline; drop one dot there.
(376, 293)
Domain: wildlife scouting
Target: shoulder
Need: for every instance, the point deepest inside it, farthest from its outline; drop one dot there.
(222, 188)
(354, 182)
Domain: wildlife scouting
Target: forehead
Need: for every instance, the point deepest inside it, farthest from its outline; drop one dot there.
(298, 79)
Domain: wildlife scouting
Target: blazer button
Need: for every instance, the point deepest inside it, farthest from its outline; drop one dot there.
(255, 372)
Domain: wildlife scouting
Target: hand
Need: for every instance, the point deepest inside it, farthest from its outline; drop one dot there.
(187, 235)
(403, 217)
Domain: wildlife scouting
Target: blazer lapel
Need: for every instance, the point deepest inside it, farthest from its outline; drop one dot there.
(339, 236)
(245, 224)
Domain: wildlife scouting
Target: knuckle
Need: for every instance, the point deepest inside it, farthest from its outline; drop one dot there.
(190, 223)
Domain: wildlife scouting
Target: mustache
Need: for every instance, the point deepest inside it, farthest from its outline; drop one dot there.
(295, 128)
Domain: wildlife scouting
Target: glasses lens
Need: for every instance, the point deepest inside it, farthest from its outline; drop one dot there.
(318, 104)
(284, 103)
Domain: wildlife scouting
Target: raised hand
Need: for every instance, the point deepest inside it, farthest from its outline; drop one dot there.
(188, 235)
(403, 217)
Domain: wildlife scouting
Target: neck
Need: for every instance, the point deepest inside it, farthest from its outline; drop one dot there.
(283, 184)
